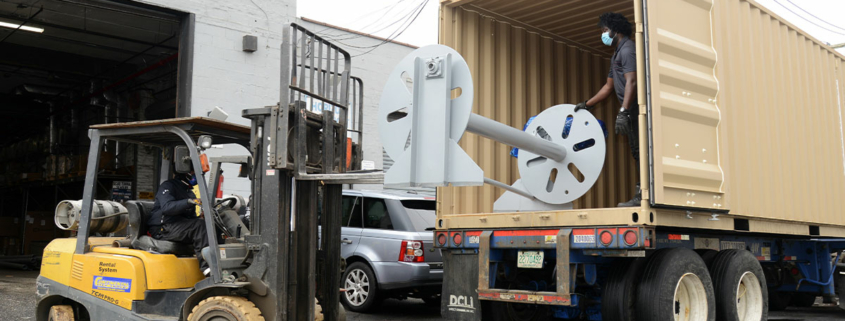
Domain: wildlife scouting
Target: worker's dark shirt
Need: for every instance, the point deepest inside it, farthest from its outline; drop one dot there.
(624, 60)
(171, 205)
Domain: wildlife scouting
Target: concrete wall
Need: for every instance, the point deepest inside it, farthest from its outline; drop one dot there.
(226, 76)
(373, 68)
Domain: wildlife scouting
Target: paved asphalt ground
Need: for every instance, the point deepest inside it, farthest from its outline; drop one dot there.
(17, 301)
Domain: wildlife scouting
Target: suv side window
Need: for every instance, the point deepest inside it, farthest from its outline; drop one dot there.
(351, 211)
(376, 215)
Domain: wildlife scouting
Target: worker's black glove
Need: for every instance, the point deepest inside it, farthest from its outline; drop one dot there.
(623, 122)
(582, 105)
(194, 201)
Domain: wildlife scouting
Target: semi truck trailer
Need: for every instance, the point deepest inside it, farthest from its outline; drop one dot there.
(742, 162)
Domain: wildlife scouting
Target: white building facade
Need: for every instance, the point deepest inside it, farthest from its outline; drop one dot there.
(223, 75)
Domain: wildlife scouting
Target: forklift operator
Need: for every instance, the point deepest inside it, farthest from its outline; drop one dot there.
(622, 79)
(174, 217)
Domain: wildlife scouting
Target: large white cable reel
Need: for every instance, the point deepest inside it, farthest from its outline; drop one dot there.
(420, 126)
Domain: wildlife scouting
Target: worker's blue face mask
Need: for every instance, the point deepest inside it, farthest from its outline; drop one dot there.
(606, 38)
(193, 180)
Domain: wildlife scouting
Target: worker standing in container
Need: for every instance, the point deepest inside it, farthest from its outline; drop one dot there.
(622, 79)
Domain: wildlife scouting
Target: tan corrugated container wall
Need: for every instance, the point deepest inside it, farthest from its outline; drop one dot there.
(517, 74)
(782, 117)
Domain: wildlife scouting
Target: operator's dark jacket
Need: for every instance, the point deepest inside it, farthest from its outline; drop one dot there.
(171, 205)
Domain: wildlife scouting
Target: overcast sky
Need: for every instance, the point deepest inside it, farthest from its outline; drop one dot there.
(386, 17)
(378, 17)
(829, 11)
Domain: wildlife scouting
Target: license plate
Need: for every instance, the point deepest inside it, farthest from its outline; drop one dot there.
(529, 259)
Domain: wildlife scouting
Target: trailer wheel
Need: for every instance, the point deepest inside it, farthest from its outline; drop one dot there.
(620, 290)
(61, 313)
(740, 286)
(675, 286)
(803, 299)
(229, 308)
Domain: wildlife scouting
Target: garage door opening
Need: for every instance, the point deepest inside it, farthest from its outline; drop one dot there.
(67, 65)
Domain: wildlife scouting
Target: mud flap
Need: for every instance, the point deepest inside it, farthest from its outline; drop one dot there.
(460, 282)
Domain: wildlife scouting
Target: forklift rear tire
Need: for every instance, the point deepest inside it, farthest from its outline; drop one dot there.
(61, 313)
(231, 308)
(361, 288)
(675, 285)
(740, 286)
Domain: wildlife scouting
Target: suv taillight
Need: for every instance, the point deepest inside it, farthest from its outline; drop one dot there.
(411, 251)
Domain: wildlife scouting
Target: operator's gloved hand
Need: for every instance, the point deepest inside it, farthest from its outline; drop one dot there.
(623, 122)
(194, 201)
(583, 105)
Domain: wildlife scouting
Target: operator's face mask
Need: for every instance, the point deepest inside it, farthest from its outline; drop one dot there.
(606, 38)
(193, 180)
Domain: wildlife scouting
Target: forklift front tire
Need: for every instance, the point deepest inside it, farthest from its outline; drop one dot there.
(318, 312)
(61, 313)
(231, 308)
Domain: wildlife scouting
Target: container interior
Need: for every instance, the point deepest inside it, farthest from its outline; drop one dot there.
(526, 56)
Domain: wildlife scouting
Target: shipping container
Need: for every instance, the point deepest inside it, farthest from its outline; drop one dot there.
(740, 113)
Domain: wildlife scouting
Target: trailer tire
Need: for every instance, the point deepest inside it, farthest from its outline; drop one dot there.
(707, 255)
(620, 291)
(675, 281)
(803, 299)
(61, 313)
(740, 287)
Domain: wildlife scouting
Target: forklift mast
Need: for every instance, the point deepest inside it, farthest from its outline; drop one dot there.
(298, 147)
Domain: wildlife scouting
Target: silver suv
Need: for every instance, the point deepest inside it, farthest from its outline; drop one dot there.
(388, 246)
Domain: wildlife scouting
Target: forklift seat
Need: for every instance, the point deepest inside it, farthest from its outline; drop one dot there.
(139, 213)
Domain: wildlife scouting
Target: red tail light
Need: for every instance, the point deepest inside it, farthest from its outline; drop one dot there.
(411, 251)
(458, 239)
(631, 238)
(606, 238)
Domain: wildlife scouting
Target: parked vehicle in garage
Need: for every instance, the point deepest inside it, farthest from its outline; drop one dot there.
(388, 246)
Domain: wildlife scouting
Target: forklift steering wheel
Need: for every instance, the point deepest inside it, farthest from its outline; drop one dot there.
(228, 201)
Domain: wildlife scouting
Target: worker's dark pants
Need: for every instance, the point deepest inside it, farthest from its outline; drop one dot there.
(188, 231)
(634, 140)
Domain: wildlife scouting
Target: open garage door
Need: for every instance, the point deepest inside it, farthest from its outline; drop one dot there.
(66, 65)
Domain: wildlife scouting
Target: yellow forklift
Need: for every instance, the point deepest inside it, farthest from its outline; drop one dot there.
(275, 268)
